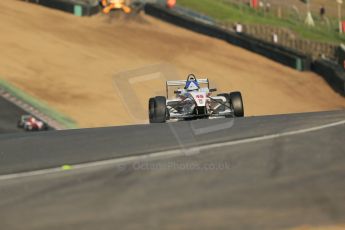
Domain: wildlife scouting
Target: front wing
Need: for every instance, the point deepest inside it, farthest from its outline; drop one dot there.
(218, 108)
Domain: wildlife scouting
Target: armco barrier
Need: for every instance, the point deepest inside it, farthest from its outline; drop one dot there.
(74, 7)
(271, 52)
(277, 53)
(302, 62)
(333, 73)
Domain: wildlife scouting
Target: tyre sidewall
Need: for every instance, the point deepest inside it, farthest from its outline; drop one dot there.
(160, 109)
(237, 103)
(151, 109)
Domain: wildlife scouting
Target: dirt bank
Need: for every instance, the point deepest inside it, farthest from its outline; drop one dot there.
(70, 62)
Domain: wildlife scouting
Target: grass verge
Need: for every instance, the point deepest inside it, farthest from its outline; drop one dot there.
(229, 12)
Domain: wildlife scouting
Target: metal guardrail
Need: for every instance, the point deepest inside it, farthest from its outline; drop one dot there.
(76, 7)
(195, 15)
(332, 72)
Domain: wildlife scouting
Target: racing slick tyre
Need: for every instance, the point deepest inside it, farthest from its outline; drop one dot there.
(159, 110)
(236, 103)
(151, 109)
(45, 127)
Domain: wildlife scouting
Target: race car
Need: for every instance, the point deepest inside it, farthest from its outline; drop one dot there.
(30, 123)
(194, 102)
(109, 5)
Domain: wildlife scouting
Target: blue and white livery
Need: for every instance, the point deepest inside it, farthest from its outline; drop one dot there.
(193, 100)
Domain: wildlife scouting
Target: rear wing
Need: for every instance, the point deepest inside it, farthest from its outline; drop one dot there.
(183, 83)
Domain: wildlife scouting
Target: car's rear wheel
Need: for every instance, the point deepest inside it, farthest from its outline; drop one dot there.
(201, 110)
(158, 109)
(45, 127)
(236, 103)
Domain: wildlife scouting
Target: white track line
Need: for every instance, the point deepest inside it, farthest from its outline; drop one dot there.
(171, 153)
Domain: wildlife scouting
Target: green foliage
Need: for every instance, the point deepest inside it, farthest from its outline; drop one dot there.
(229, 12)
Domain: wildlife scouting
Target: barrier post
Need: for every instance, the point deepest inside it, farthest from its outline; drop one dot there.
(299, 64)
(78, 10)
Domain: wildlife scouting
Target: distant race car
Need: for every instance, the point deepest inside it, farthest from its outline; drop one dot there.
(30, 123)
(194, 102)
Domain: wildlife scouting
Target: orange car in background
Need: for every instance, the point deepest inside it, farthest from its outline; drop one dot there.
(109, 5)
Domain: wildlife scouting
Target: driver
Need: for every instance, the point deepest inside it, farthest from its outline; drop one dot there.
(191, 83)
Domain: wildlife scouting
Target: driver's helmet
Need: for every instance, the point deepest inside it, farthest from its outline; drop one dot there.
(191, 83)
(32, 119)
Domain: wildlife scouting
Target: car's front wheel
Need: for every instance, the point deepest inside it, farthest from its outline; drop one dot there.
(151, 109)
(157, 110)
(236, 103)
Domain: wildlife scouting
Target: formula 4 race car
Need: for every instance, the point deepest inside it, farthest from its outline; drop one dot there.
(30, 123)
(194, 102)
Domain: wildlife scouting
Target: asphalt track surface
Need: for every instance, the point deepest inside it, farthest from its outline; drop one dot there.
(9, 115)
(270, 172)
